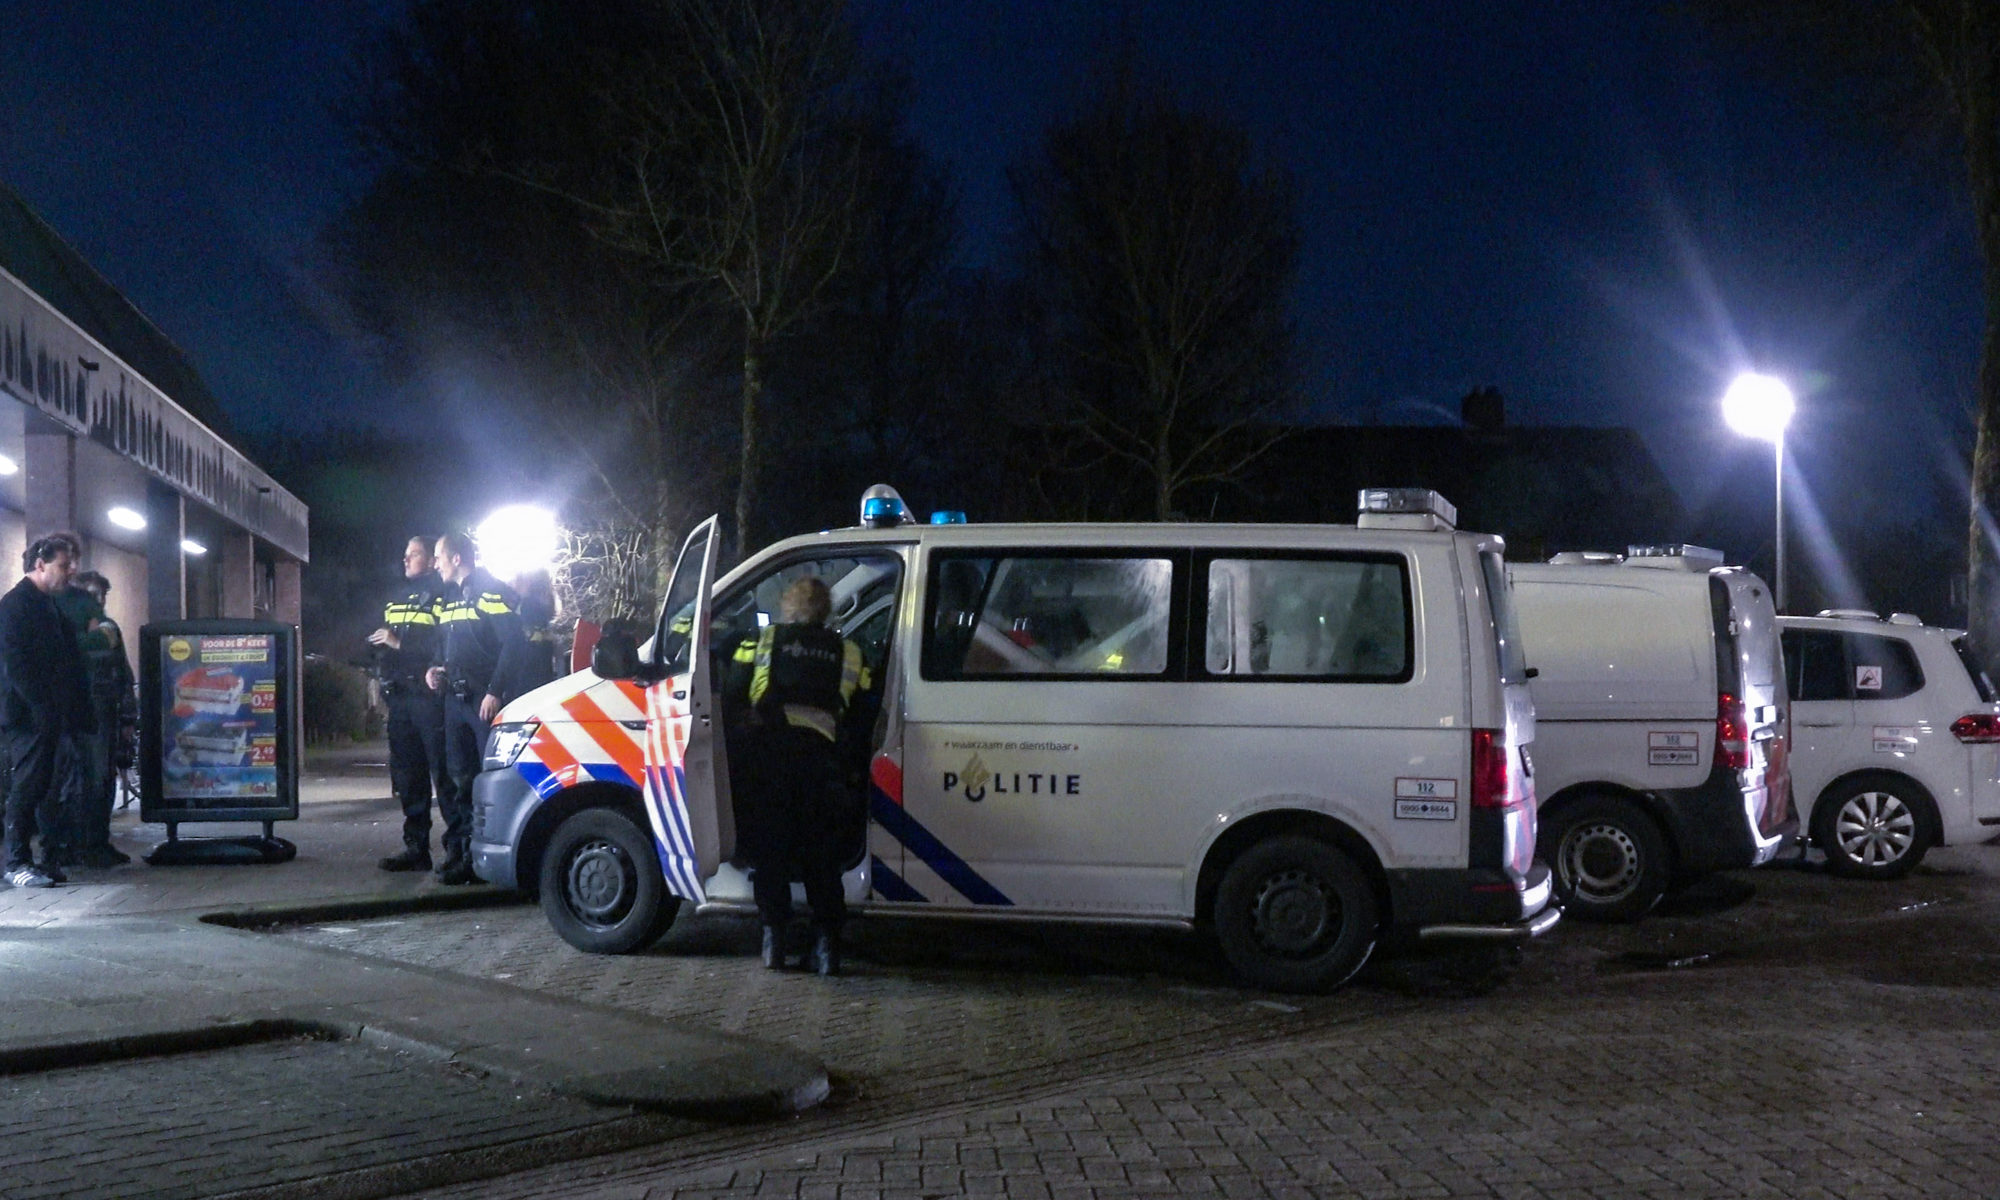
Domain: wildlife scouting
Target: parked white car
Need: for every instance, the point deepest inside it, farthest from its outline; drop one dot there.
(1895, 739)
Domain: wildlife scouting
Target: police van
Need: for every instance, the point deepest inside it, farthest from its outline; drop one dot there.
(1300, 737)
(1662, 737)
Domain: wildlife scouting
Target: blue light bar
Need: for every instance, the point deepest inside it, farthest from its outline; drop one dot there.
(947, 517)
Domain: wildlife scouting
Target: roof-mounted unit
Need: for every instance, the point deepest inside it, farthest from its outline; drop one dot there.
(1585, 558)
(1405, 508)
(1699, 559)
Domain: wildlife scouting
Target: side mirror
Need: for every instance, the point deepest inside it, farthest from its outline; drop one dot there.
(615, 656)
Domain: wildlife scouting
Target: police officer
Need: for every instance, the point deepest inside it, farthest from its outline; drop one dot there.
(796, 677)
(480, 662)
(406, 646)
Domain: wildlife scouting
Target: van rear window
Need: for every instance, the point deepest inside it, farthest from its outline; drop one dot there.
(1069, 617)
(1335, 619)
(1506, 626)
(1980, 681)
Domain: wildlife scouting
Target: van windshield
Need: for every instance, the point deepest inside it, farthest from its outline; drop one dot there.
(1506, 630)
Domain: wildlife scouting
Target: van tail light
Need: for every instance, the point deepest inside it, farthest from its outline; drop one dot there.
(1732, 733)
(1492, 774)
(1974, 729)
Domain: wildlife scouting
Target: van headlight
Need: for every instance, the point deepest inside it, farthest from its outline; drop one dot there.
(506, 742)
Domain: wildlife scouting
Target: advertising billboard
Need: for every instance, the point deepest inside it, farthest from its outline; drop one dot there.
(219, 717)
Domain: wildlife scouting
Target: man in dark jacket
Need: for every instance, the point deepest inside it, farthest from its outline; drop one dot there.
(114, 707)
(406, 646)
(45, 705)
(481, 660)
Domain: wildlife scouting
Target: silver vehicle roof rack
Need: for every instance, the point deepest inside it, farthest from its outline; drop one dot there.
(1674, 557)
(1405, 508)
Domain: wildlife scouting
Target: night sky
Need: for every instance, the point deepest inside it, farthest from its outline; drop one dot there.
(1587, 205)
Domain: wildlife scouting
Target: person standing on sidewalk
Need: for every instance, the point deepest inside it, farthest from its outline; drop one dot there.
(406, 646)
(116, 711)
(44, 703)
(480, 661)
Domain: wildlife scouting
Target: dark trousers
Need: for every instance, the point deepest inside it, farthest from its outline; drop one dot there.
(41, 765)
(464, 749)
(794, 833)
(416, 760)
(91, 809)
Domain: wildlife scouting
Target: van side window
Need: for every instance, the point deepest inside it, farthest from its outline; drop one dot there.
(1815, 665)
(1334, 618)
(1882, 668)
(1082, 616)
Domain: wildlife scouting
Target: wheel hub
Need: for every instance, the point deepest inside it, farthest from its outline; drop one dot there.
(1599, 862)
(1293, 912)
(601, 882)
(1875, 828)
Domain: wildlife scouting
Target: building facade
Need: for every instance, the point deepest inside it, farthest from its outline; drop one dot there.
(107, 430)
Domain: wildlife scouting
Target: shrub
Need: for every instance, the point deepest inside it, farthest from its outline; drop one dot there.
(336, 698)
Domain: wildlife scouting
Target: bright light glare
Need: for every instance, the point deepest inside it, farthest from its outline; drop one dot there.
(190, 546)
(1758, 406)
(517, 539)
(8, 466)
(126, 518)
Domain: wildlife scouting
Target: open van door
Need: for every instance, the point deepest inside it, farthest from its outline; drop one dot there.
(687, 768)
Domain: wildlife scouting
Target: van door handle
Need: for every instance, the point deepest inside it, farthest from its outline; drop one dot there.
(1822, 724)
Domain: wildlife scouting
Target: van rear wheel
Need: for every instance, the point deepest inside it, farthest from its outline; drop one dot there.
(601, 885)
(1294, 914)
(1611, 860)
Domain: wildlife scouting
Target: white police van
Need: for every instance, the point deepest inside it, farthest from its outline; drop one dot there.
(1661, 740)
(1298, 736)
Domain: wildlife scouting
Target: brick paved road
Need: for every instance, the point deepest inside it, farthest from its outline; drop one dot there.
(322, 1115)
(1837, 1040)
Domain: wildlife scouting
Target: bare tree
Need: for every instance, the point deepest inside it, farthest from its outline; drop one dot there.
(742, 149)
(1926, 72)
(1161, 259)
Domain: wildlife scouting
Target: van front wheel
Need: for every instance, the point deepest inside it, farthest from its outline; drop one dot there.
(1610, 859)
(1294, 914)
(601, 885)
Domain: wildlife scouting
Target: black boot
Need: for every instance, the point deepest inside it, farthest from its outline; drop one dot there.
(825, 958)
(774, 948)
(413, 858)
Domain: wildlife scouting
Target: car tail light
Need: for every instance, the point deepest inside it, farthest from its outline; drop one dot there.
(1492, 776)
(1977, 729)
(1732, 733)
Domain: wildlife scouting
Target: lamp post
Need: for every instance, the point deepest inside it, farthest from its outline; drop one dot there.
(1761, 406)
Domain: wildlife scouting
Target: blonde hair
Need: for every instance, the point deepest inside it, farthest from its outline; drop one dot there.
(807, 601)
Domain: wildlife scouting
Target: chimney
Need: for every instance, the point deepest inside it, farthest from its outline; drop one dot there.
(1484, 409)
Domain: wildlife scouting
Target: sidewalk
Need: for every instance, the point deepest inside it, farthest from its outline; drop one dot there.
(123, 964)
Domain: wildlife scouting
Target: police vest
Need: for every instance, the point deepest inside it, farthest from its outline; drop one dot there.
(805, 673)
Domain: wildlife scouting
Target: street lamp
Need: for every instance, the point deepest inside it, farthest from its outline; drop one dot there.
(517, 539)
(1761, 406)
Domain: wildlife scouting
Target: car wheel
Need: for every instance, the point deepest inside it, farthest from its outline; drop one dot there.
(1294, 914)
(601, 886)
(1611, 860)
(1872, 827)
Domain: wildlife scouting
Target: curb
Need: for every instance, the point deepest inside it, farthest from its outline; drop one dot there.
(223, 1035)
(264, 916)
